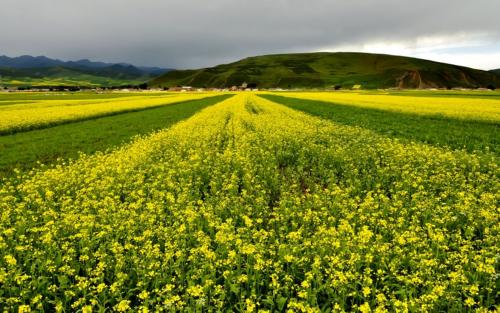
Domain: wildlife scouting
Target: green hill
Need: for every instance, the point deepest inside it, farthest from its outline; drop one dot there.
(63, 76)
(27, 70)
(326, 70)
(497, 71)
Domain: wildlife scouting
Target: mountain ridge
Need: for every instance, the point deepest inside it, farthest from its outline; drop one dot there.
(28, 70)
(28, 61)
(331, 70)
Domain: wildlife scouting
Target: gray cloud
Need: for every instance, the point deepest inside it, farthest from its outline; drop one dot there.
(192, 33)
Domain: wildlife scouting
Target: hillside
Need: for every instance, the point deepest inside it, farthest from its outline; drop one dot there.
(497, 71)
(43, 71)
(326, 70)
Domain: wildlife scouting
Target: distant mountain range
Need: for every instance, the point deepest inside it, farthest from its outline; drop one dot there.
(41, 70)
(330, 70)
(304, 70)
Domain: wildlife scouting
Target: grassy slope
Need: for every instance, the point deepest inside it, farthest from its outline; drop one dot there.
(60, 76)
(330, 69)
(435, 130)
(23, 150)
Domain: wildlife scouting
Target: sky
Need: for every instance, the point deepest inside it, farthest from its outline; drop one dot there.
(198, 33)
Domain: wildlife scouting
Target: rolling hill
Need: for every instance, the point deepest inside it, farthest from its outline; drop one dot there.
(326, 70)
(497, 71)
(43, 71)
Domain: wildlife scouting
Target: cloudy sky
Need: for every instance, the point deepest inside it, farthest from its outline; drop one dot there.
(194, 33)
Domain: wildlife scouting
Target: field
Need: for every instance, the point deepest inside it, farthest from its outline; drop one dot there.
(461, 121)
(24, 150)
(70, 80)
(296, 202)
(41, 114)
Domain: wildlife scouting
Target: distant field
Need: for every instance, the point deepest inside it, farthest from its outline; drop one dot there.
(462, 106)
(71, 79)
(24, 150)
(457, 121)
(16, 117)
(268, 202)
(479, 94)
(6, 97)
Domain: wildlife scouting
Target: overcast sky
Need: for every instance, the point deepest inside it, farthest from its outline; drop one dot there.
(195, 33)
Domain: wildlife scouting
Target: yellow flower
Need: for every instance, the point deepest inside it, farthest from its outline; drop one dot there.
(366, 291)
(250, 305)
(10, 260)
(474, 289)
(123, 306)
(24, 308)
(470, 302)
(101, 287)
(143, 295)
(381, 298)
(243, 278)
(87, 309)
(195, 291)
(365, 308)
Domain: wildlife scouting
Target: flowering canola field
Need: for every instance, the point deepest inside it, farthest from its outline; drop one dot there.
(454, 107)
(251, 206)
(37, 114)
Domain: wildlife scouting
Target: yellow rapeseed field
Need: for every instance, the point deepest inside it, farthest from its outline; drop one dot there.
(251, 206)
(455, 107)
(23, 116)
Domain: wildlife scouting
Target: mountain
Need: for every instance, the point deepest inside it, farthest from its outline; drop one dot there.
(27, 61)
(326, 70)
(29, 70)
(497, 71)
